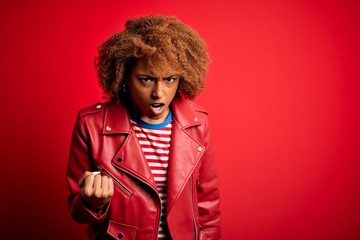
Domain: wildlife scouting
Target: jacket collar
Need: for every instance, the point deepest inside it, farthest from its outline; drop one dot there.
(117, 120)
(184, 113)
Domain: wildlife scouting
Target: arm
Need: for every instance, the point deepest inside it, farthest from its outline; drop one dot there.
(86, 204)
(208, 193)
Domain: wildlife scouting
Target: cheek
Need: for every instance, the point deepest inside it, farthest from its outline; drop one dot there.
(171, 93)
(137, 92)
(138, 98)
(174, 89)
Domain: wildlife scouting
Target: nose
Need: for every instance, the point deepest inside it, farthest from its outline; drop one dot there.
(158, 90)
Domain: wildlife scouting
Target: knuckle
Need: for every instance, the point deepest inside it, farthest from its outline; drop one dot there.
(105, 178)
(87, 192)
(103, 193)
(111, 192)
(98, 193)
(88, 180)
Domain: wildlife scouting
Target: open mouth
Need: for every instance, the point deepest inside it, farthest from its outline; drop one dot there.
(157, 108)
(157, 105)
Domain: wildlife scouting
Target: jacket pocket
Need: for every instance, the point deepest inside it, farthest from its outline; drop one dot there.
(121, 231)
(121, 186)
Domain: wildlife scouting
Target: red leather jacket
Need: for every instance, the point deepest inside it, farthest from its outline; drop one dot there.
(103, 140)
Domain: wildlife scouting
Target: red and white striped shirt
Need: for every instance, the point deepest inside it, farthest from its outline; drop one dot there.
(155, 141)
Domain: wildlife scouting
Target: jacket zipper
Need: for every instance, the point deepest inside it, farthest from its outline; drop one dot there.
(192, 207)
(159, 212)
(117, 183)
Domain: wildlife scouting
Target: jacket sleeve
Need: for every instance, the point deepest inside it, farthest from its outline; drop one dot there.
(79, 162)
(208, 192)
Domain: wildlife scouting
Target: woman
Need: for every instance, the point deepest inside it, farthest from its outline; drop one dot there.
(141, 164)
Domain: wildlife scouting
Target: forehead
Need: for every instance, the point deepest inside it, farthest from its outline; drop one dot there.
(154, 67)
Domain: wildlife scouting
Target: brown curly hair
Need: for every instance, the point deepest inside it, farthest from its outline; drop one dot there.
(158, 38)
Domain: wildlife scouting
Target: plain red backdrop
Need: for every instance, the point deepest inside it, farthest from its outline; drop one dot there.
(283, 94)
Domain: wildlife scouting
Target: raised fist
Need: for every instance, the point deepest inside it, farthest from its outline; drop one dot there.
(96, 190)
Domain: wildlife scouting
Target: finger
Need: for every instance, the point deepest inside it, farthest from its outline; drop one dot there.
(97, 186)
(104, 186)
(88, 188)
(83, 177)
(111, 187)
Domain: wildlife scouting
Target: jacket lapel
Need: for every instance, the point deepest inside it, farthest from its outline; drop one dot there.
(129, 158)
(185, 150)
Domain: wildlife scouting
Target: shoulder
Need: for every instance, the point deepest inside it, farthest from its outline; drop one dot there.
(188, 106)
(198, 108)
(113, 115)
(200, 112)
(100, 108)
(93, 109)
(189, 113)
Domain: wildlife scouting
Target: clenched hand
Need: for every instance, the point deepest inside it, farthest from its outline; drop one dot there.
(96, 190)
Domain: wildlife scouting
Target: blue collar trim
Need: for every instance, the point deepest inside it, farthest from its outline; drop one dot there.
(153, 125)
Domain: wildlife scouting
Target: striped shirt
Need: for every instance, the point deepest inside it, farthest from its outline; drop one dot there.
(155, 141)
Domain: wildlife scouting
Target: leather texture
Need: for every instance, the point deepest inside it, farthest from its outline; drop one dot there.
(103, 140)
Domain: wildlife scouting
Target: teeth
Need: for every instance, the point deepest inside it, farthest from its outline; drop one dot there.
(156, 105)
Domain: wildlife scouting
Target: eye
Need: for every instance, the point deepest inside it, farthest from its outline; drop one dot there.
(170, 79)
(146, 79)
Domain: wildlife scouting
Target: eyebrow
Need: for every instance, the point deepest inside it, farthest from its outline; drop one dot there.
(152, 76)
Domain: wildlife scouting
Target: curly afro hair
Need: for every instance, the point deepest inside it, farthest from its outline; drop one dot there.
(158, 38)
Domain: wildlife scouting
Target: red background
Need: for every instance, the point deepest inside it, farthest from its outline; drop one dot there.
(284, 77)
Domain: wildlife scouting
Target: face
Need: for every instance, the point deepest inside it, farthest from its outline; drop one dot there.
(152, 88)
